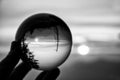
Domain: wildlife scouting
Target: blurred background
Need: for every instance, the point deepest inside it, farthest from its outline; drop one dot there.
(95, 27)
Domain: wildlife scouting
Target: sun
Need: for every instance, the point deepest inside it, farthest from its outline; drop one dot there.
(83, 49)
(36, 39)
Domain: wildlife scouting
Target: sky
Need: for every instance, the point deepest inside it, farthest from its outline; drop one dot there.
(93, 19)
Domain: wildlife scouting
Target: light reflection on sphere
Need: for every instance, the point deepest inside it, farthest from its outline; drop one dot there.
(48, 41)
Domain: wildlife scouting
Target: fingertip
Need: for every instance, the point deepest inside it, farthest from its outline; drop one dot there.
(15, 45)
(49, 75)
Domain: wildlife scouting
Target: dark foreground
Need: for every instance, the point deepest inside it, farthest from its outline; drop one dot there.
(74, 69)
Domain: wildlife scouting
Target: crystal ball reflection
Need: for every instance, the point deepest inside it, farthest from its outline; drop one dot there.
(48, 41)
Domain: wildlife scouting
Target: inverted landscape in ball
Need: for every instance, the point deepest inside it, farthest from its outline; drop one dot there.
(47, 39)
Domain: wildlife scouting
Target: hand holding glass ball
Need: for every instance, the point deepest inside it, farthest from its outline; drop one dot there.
(47, 40)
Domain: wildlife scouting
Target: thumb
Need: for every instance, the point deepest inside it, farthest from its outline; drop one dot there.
(10, 61)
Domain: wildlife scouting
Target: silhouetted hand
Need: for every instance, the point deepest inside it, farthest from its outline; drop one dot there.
(9, 70)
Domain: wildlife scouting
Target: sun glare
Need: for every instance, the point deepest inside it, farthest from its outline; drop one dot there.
(36, 40)
(83, 50)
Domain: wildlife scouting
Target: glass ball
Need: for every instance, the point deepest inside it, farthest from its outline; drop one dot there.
(47, 41)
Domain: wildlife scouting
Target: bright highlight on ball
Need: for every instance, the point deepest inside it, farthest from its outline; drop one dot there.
(83, 50)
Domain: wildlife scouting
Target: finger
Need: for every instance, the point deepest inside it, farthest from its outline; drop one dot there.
(14, 55)
(20, 71)
(41, 75)
(49, 75)
(10, 61)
